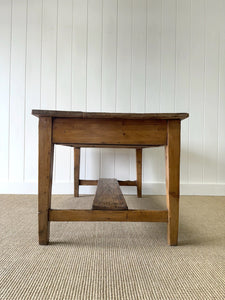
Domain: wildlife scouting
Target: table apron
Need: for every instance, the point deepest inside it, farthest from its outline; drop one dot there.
(109, 131)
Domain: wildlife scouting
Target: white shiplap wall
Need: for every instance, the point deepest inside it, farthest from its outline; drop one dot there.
(114, 56)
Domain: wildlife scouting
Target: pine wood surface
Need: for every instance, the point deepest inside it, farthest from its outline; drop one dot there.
(139, 172)
(131, 215)
(105, 115)
(121, 182)
(108, 196)
(76, 171)
(46, 149)
(173, 179)
(109, 132)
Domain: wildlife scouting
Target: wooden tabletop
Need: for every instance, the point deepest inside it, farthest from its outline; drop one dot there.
(105, 115)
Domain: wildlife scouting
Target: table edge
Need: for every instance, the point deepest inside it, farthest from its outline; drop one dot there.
(106, 115)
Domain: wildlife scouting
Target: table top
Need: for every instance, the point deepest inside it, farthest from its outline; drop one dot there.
(107, 115)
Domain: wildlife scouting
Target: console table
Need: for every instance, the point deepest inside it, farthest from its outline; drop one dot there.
(111, 130)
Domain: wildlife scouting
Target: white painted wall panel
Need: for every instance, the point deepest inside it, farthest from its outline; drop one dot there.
(153, 158)
(138, 59)
(32, 88)
(182, 78)
(124, 62)
(109, 75)
(63, 82)
(153, 55)
(138, 66)
(94, 77)
(168, 55)
(17, 91)
(116, 56)
(49, 58)
(197, 71)
(49, 54)
(5, 68)
(79, 67)
(124, 55)
(210, 146)
(109, 55)
(221, 102)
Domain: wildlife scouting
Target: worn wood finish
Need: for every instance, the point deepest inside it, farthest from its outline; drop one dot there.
(88, 182)
(121, 182)
(105, 115)
(173, 179)
(46, 149)
(77, 145)
(139, 172)
(76, 171)
(106, 215)
(108, 196)
(127, 182)
(109, 132)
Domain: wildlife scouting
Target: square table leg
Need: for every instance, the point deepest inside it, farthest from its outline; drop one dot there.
(173, 179)
(76, 171)
(139, 172)
(46, 152)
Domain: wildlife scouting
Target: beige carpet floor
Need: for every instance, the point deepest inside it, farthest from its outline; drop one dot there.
(96, 260)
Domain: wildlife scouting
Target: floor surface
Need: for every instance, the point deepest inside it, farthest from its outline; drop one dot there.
(97, 260)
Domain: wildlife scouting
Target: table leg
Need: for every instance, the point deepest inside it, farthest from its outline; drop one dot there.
(173, 179)
(46, 152)
(139, 172)
(76, 171)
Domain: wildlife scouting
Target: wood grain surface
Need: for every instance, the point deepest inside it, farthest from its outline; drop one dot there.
(76, 171)
(46, 149)
(109, 196)
(121, 182)
(105, 115)
(131, 215)
(173, 180)
(109, 131)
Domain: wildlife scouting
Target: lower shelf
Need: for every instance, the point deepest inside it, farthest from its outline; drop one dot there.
(108, 215)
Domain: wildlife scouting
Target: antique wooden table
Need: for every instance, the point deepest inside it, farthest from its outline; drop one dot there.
(111, 130)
